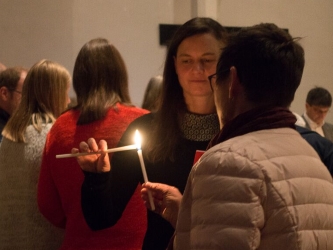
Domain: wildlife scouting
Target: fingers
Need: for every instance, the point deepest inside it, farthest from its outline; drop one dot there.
(157, 192)
(92, 144)
(91, 163)
(84, 147)
(155, 186)
(160, 188)
(75, 150)
(88, 146)
(103, 164)
(103, 161)
(158, 203)
(102, 144)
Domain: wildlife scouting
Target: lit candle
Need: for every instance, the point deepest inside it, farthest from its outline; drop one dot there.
(143, 168)
(111, 150)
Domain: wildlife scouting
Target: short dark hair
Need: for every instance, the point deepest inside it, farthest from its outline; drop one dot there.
(269, 63)
(99, 79)
(10, 77)
(319, 96)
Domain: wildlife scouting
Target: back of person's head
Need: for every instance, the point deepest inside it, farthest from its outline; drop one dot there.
(269, 64)
(44, 98)
(10, 77)
(99, 79)
(319, 96)
(152, 94)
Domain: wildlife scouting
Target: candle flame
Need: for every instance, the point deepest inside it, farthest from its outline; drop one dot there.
(137, 139)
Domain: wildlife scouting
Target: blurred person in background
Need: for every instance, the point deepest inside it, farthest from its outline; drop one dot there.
(318, 104)
(152, 96)
(11, 84)
(44, 98)
(103, 111)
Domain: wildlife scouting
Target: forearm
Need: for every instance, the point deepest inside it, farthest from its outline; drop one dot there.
(104, 197)
(96, 201)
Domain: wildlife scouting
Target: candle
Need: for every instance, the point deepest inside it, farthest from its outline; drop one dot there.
(143, 168)
(111, 150)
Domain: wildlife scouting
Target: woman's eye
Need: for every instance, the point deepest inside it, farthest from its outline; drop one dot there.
(186, 61)
(208, 60)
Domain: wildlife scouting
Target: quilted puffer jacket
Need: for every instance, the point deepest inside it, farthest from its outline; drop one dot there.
(264, 190)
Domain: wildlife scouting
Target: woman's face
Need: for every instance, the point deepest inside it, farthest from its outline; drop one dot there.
(195, 60)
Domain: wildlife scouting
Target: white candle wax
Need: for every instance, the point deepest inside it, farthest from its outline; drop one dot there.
(111, 150)
(145, 178)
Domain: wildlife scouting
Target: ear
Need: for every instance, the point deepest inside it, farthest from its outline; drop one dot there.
(4, 93)
(307, 105)
(235, 87)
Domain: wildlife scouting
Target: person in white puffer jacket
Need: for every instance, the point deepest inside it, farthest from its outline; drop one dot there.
(259, 185)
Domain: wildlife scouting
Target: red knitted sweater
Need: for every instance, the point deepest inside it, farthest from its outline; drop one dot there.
(59, 187)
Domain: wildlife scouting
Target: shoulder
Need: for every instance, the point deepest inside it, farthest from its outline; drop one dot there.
(132, 109)
(131, 116)
(35, 137)
(256, 150)
(311, 136)
(143, 124)
(328, 126)
(303, 130)
(127, 113)
(4, 145)
(65, 123)
(68, 115)
(267, 153)
(143, 120)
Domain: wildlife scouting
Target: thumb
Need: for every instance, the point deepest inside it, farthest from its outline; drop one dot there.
(103, 164)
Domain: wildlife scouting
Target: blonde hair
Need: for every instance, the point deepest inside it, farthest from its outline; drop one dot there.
(44, 98)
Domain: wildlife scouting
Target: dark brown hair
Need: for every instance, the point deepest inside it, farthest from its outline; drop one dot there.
(319, 96)
(10, 77)
(99, 80)
(166, 125)
(269, 63)
(152, 96)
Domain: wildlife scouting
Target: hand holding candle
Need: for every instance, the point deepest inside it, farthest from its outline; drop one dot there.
(143, 168)
(111, 150)
(95, 163)
(124, 148)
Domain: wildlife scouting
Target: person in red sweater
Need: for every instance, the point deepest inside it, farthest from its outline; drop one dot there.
(103, 111)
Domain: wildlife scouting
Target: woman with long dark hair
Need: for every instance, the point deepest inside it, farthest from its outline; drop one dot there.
(185, 122)
(103, 111)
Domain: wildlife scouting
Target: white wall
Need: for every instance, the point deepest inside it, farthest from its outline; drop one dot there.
(33, 30)
(36, 29)
(312, 20)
